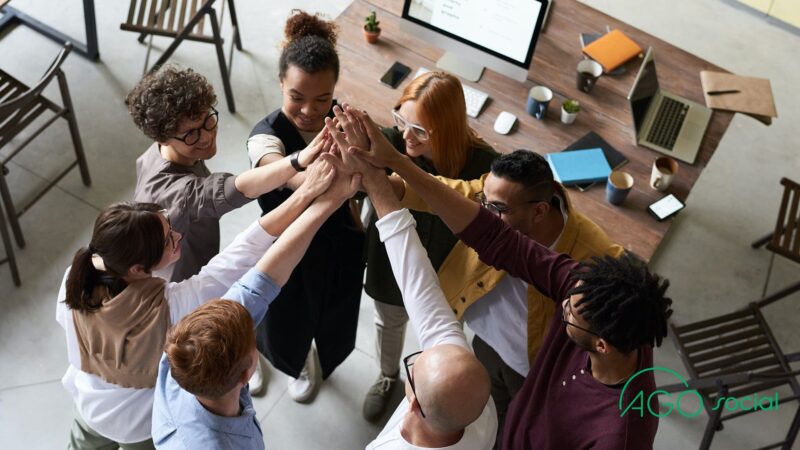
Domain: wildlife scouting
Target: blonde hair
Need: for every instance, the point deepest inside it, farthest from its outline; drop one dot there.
(441, 110)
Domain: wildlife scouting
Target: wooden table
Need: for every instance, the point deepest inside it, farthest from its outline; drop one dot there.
(606, 110)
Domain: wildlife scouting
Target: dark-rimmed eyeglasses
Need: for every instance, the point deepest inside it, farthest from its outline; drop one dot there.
(420, 133)
(192, 136)
(566, 312)
(409, 361)
(169, 239)
(496, 208)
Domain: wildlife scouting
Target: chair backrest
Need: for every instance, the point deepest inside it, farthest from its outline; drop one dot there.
(739, 342)
(16, 111)
(165, 17)
(786, 238)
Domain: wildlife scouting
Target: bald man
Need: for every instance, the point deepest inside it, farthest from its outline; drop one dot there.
(447, 403)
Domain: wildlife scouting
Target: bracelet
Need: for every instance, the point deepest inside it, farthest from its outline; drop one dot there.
(295, 160)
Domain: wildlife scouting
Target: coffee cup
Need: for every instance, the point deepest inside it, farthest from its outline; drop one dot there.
(664, 169)
(588, 73)
(538, 99)
(618, 187)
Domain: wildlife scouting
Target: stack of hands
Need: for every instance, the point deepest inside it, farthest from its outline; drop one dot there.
(349, 154)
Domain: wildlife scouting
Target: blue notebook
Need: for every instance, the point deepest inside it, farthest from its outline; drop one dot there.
(579, 166)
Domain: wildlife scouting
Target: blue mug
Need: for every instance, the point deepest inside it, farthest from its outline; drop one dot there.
(618, 187)
(538, 99)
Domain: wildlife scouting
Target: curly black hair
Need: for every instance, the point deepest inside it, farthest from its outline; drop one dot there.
(163, 98)
(527, 168)
(310, 44)
(623, 301)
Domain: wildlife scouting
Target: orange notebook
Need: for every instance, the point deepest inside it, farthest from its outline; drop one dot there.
(612, 50)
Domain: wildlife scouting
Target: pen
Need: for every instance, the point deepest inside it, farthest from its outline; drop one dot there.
(729, 91)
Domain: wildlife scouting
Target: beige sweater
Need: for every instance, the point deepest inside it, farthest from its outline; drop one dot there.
(123, 341)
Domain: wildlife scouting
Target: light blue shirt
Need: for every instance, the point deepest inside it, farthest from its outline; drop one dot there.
(181, 422)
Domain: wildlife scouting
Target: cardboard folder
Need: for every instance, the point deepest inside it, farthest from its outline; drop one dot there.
(748, 95)
(612, 50)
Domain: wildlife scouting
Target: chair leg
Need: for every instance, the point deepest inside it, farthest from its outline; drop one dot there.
(11, 259)
(761, 241)
(177, 41)
(711, 427)
(235, 26)
(147, 55)
(792, 434)
(769, 273)
(73, 129)
(226, 82)
(13, 219)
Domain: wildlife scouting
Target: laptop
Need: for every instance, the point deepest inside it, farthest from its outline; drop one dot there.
(665, 122)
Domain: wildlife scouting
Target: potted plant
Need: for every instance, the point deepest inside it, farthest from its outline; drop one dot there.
(371, 28)
(569, 110)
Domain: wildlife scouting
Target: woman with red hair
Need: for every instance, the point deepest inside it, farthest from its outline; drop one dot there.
(431, 127)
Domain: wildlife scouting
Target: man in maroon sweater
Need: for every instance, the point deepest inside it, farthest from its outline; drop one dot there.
(601, 336)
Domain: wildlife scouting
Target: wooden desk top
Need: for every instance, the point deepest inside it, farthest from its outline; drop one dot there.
(606, 110)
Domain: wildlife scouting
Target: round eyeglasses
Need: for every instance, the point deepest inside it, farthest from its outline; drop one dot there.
(192, 136)
(420, 133)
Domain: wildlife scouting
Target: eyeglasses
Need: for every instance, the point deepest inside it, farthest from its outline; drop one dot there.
(566, 312)
(192, 136)
(169, 239)
(495, 208)
(419, 132)
(409, 361)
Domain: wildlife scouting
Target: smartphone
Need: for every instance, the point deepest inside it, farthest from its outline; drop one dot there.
(395, 74)
(666, 207)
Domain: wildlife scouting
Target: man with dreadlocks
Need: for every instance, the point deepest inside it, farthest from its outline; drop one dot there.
(600, 339)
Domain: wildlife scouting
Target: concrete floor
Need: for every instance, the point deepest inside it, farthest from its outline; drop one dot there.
(706, 255)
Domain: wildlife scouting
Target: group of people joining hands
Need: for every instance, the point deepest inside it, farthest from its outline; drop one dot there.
(167, 335)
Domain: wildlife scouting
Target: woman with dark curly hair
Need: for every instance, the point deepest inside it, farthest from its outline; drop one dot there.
(175, 108)
(320, 302)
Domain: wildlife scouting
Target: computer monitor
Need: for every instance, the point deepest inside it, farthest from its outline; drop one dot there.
(499, 34)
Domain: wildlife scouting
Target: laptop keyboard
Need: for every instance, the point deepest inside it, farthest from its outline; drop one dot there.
(668, 122)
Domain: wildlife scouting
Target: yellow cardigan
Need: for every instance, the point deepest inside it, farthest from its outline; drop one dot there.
(465, 279)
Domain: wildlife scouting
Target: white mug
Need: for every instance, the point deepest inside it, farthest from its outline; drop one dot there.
(664, 169)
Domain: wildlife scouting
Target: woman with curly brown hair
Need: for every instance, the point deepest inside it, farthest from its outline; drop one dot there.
(320, 302)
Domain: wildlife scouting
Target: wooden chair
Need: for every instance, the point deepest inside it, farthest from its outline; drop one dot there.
(735, 355)
(785, 239)
(184, 20)
(19, 107)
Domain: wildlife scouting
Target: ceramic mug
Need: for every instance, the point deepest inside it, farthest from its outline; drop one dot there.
(618, 187)
(538, 99)
(664, 169)
(588, 73)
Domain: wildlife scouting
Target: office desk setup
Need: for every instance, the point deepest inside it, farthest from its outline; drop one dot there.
(606, 109)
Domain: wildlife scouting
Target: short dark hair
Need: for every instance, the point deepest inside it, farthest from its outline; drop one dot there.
(623, 301)
(210, 348)
(527, 168)
(125, 234)
(163, 98)
(310, 45)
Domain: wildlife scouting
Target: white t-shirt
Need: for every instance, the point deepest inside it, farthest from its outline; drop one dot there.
(479, 435)
(432, 320)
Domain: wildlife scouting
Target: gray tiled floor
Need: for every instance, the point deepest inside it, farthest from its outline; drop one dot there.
(706, 254)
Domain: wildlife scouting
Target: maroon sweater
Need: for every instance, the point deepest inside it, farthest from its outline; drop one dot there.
(561, 405)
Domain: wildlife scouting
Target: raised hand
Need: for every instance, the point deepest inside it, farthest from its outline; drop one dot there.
(319, 177)
(354, 133)
(381, 152)
(314, 148)
(343, 187)
(340, 146)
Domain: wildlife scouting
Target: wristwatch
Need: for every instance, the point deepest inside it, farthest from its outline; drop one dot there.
(295, 160)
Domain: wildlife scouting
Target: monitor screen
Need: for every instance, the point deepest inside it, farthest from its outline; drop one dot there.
(506, 29)
(644, 89)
